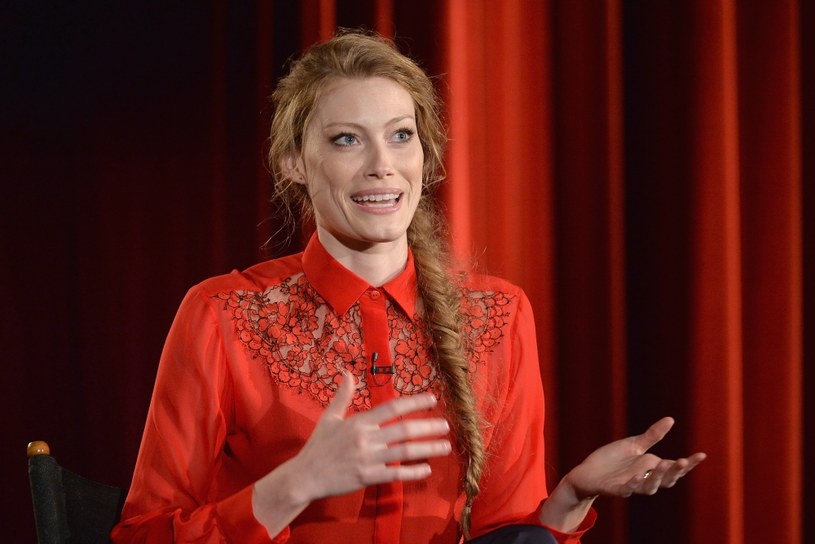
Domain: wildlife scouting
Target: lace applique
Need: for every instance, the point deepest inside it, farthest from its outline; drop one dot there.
(301, 341)
(306, 346)
(487, 314)
(414, 362)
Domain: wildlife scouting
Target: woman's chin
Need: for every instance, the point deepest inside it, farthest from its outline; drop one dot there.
(363, 239)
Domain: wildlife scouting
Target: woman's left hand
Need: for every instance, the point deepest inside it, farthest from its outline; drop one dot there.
(619, 469)
(624, 467)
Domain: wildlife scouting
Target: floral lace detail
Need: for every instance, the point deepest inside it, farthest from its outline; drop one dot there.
(306, 346)
(487, 315)
(302, 343)
(414, 362)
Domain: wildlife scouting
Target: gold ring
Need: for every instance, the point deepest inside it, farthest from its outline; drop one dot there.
(647, 474)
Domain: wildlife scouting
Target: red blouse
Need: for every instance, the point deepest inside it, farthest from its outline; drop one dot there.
(254, 357)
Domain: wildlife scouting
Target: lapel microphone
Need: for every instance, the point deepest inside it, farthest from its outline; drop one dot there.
(385, 369)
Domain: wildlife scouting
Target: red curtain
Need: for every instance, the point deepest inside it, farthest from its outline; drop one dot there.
(644, 170)
(638, 169)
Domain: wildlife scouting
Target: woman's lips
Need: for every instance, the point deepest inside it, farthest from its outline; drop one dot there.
(378, 200)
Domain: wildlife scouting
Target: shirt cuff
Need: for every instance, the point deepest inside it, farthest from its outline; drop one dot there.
(239, 524)
(574, 536)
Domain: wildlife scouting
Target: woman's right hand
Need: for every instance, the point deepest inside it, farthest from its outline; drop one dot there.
(347, 453)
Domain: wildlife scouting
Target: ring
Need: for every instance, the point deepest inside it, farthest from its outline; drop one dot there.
(647, 473)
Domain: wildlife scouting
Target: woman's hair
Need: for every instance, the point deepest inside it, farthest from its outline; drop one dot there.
(357, 55)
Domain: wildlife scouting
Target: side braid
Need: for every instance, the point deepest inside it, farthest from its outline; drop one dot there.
(442, 301)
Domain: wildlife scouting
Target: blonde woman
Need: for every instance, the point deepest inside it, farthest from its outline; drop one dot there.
(363, 390)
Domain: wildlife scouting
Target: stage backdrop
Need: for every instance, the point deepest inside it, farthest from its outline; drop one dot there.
(644, 170)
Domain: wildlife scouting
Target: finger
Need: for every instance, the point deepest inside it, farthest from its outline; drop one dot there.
(696, 458)
(384, 474)
(397, 408)
(676, 471)
(644, 472)
(342, 398)
(654, 478)
(413, 451)
(654, 434)
(681, 468)
(412, 429)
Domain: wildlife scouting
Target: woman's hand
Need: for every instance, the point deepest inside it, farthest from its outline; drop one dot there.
(344, 454)
(621, 469)
(625, 467)
(347, 453)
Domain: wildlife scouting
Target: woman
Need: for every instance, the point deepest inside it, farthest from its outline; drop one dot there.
(360, 390)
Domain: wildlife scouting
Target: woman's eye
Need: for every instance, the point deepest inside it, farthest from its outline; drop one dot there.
(345, 139)
(403, 135)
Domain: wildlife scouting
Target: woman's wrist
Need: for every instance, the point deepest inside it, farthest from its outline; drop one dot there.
(566, 507)
(278, 498)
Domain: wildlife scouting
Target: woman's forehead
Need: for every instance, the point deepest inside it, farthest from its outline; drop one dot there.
(373, 99)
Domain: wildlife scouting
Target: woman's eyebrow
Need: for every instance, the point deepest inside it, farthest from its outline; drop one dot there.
(393, 121)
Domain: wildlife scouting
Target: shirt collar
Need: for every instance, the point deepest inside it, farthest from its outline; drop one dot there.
(341, 288)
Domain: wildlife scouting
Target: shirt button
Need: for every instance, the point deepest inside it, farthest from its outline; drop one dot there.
(374, 294)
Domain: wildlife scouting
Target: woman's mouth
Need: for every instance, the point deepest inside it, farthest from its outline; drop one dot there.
(381, 200)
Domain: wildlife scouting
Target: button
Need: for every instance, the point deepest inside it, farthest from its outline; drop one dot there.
(374, 294)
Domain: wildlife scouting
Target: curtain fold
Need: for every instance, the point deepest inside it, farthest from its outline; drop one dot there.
(770, 133)
(716, 343)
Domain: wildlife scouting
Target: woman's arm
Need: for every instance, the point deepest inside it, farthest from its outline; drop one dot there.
(515, 480)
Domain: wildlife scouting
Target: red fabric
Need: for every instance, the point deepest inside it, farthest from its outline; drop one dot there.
(251, 362)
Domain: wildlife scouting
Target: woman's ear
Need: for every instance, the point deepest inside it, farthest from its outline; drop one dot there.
(292, 168)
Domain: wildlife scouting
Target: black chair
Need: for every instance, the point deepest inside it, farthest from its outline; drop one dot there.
(67, 507)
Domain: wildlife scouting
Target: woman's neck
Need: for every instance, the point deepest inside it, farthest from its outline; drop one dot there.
(376, 262)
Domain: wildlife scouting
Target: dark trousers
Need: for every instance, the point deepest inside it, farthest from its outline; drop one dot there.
(517, 534)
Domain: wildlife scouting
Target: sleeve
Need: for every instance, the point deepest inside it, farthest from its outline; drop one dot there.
(170, 498)
(513, 487)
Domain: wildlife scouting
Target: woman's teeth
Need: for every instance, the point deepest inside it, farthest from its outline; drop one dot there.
(381, 200)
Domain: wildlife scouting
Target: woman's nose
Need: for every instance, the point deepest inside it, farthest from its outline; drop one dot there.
(380, 165)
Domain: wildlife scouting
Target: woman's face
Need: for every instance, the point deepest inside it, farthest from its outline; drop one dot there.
(362, 162)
